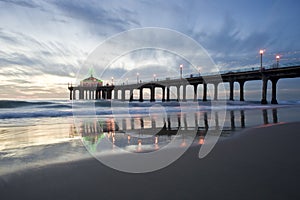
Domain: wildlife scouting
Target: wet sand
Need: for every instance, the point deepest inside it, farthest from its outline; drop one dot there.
(259, 163)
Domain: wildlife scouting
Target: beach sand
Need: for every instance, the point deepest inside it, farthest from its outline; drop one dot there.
(258, 163)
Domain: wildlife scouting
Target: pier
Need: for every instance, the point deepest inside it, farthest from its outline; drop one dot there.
(94, 89)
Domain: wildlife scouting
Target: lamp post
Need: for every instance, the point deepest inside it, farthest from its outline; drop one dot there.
(277, 60)
(261, 52)
(112, 80)
(137, 78)
(154, 76)
(181, 66)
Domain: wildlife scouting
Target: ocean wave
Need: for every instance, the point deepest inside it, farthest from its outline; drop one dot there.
(35, 109)
(35, 114)
(16, 104)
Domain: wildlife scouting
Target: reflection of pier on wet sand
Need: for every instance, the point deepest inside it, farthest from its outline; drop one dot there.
(154, 129)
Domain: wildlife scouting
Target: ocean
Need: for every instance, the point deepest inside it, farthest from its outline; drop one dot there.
(35, 133)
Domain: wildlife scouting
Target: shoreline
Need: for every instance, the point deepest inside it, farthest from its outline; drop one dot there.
(260, 163)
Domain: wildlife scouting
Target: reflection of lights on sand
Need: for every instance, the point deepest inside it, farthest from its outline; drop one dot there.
(139, 145)
(201, 140)
(128, 139)
(110, 124)
(156, 143)
(108, 135)
(183, 144)
(156, 140)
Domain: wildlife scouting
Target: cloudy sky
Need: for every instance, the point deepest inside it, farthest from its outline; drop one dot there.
(44, 44)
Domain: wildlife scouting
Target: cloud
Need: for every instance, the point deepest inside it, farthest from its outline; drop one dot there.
(228, 39)
(29, 53)
(27, 3)
(231, 47)
(57, 35)
(96, 17)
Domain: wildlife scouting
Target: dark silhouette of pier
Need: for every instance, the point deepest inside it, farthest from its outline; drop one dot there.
(263, 74)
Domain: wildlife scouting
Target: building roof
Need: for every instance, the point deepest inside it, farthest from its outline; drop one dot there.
(91, 79)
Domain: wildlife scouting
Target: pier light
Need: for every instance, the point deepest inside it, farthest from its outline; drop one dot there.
(261, 52)
(154, 76)
(277, 60)
(137, 77)
(181, 67)
(112, 80)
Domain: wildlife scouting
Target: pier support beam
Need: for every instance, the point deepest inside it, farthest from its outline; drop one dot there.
(195, 92)
(71, 94)
(81, 94)
(265, 116)
(231, 89)
(206, 121)
(242, 83)
(275, 118)
(178, 93)
(163, 94)
(183, 92)
(131, 95)
(141, 95)
(115, 94)
(204, 92)
(217, 120)
(168, 93)
(152, 94)
(109, 94)
(264, 90)
(103, 94)
(274, 85)
(74, 94)
(232, 120)
(123, 94)
(97, 94)
(242, 119)
(216, 91)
